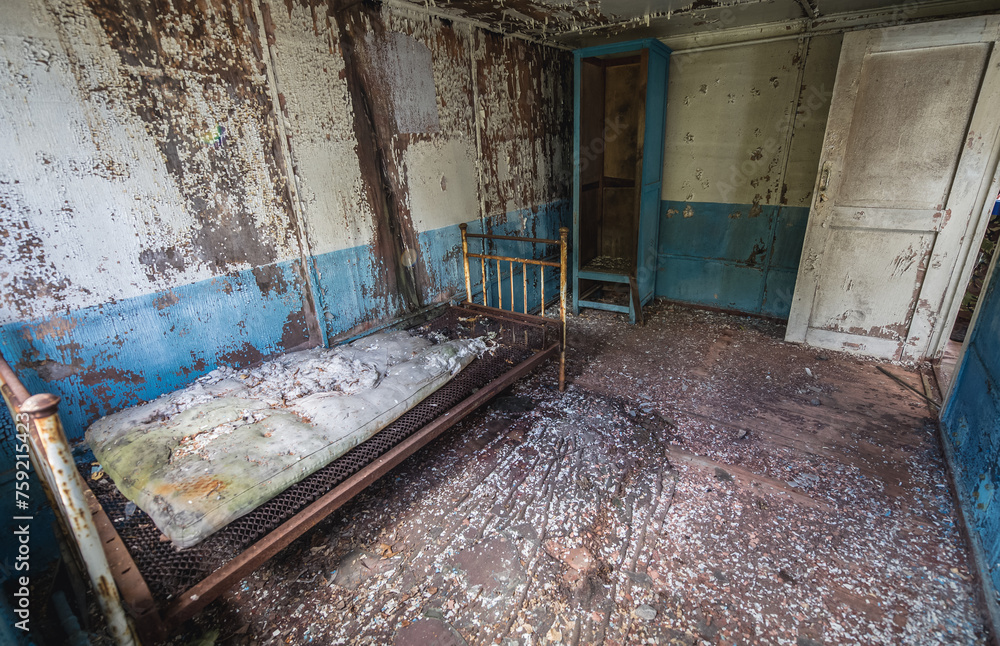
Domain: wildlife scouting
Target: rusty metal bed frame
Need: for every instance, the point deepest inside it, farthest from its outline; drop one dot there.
(145, 592)
(540, 263)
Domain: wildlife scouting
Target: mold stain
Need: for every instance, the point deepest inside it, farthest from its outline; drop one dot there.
(295, 332)
(757, 254)
(51, 370)
(36, 276)
(270, 280)
(162, 262)
(110, 374)
(246, 355)
(165, 300)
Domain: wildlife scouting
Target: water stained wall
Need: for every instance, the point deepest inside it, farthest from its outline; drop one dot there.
(519, 118)
(189, 184)
(141, 147)
(423, 104)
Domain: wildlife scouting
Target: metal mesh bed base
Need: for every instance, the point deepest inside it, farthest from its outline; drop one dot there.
(169, 571)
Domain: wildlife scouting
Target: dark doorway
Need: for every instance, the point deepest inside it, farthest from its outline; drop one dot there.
(978, 280)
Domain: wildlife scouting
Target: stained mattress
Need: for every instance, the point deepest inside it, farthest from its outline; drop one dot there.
(199, 458)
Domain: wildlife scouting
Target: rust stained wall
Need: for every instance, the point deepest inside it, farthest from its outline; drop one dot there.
(362, 36)
(441, 161)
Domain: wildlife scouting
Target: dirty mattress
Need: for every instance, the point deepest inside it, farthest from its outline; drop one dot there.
(198, 458)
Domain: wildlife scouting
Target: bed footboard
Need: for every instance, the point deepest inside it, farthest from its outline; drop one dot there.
(40, 440)
(500, 262)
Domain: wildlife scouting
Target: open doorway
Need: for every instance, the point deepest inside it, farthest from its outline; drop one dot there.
(945, 366)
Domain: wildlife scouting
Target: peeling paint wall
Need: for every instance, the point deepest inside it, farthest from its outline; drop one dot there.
(162, 138)
(744, 129)
(524, 96)
(414, 128)
(971, 421)
(524, 127)
(188, 184)
(147, 228)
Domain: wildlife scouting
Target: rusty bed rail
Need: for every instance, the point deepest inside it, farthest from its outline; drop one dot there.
(524, 262)
(39, 431)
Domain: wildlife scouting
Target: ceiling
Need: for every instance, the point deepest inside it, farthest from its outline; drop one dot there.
(685, 24)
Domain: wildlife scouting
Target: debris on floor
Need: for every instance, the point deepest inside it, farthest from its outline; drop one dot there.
(685, 489)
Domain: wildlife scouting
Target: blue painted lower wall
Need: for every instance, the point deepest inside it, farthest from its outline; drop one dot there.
(741, 257)
(104, 358)
(348, 281)
(538, 222)
(971, 422)
(447, 274)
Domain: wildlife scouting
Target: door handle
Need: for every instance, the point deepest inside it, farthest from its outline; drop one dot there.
(824, 177)
(824, 181)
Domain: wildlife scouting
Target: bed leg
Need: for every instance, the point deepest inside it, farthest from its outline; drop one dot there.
(465, 263)
(563, 249)
(49, 443)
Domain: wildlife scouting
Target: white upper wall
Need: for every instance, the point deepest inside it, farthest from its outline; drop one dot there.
(730, 116)
(100, 204)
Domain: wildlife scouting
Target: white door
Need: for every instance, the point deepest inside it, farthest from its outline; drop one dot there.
(907, 166)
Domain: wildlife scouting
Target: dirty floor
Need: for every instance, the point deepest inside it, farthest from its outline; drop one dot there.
(700, 482)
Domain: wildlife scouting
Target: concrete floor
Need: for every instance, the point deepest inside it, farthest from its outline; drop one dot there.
(700, 482)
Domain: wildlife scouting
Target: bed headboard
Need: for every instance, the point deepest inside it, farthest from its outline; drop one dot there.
(500, 262)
